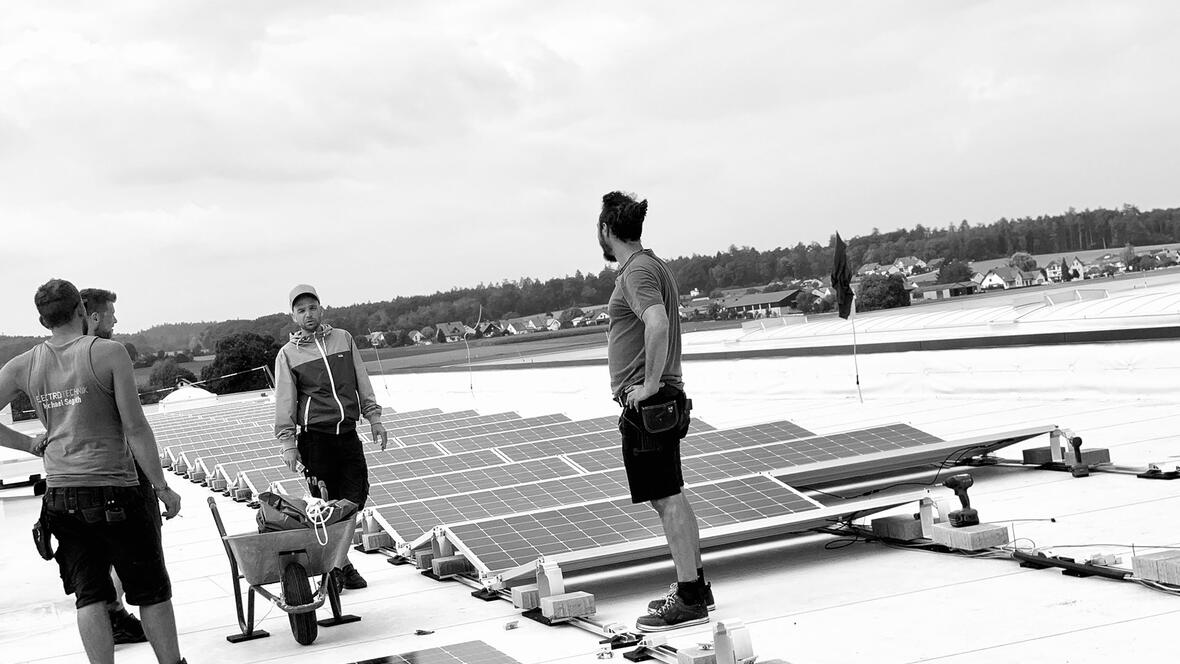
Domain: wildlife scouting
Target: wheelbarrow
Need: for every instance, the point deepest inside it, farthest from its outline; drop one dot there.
(287, 557)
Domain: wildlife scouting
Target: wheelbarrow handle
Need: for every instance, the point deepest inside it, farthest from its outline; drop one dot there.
(217, 519)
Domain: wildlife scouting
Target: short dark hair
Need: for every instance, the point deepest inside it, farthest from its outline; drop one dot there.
(56, 300)
(623, 215)
(97, 300)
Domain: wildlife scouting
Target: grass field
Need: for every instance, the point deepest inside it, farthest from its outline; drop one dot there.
(389, 360)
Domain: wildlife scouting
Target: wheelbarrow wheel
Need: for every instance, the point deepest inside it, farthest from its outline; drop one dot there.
(297, 590)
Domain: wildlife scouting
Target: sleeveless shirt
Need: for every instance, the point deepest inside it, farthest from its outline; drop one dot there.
(85, 444)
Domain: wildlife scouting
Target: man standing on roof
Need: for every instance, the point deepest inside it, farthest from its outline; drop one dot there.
(643, 354)
(100, 322)
(322, 388)
(83, 390)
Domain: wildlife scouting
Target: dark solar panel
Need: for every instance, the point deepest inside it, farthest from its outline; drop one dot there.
(537, 433)
(442, 424)
(501, 544)
(780, 456)
(588, 441)
(471, 652)
(232, 469)
(411, 519)
(465, 432)
(432, 466)
(467, 481)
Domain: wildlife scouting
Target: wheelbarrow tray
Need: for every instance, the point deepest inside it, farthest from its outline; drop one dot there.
(259, 555)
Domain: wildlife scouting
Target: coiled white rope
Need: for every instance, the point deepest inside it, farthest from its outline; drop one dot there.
(318, 513)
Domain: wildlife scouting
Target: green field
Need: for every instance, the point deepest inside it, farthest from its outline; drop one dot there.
(435, 356)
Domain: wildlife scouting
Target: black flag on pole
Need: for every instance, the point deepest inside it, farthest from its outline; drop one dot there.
(842, 279)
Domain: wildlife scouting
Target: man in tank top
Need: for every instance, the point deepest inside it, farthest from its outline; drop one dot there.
(83, 390)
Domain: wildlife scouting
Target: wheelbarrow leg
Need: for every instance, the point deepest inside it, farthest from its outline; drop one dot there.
(337, 618)
(246, 617)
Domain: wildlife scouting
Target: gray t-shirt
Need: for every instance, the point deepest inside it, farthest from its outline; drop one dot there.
(644, 281)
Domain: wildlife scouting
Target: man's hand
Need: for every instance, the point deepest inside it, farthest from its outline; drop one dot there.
(379, 434)
(637, 393)
(292, 459)
(171, 501)
(38, 444)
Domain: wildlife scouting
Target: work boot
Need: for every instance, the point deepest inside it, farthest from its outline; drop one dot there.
(352, 579)
(655, 604)
(672, 615)
(126, 628)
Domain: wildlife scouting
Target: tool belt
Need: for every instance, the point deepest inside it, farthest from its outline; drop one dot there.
(663, 418)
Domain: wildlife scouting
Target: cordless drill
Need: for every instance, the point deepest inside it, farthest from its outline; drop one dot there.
(966, 516)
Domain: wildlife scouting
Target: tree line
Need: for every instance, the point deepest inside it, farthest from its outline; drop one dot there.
(736, 267)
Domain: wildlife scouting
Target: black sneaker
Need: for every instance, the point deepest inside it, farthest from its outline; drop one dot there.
(673, 614)
(655, 604)
(126, 628)
(352, 579)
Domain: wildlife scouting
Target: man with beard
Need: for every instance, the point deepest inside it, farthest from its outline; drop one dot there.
(322, 388)
(100, 322)
(643, 354)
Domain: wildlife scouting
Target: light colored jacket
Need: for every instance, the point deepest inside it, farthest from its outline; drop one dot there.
(321, 385)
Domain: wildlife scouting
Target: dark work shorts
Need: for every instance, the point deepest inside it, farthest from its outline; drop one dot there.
(338, 462)
(653, 472)
(88, 545)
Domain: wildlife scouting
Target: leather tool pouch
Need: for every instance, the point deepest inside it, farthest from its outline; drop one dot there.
(664, 419)
(41, 536)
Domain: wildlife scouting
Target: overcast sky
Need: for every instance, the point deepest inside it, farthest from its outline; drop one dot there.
(200, 157)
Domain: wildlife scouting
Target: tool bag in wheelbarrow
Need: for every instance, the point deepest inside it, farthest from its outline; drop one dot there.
(280, 512)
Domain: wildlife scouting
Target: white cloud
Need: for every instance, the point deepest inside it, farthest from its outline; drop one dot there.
(199, 156)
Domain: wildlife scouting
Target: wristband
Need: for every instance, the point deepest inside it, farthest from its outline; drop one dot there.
(158, 489)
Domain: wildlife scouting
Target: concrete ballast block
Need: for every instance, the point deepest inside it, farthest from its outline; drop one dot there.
(375, 541)
(902, 527)
(969, 538)
(1148, 565)
(696, 655)
(448, 566)
(567, 606)
(1090, 455)
(526, 597)
(424, 559)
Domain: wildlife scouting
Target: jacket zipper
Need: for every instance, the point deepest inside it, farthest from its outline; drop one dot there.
(331, 383)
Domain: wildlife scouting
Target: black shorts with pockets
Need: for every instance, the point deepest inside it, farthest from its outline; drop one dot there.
(100, 527)
(652, 460)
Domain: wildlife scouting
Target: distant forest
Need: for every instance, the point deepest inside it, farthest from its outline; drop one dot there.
(737, 267)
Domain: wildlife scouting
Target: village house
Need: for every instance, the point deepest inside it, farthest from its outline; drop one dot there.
(763, 304)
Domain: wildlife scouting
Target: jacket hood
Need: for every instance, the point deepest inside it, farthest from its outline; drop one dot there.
(303, 338)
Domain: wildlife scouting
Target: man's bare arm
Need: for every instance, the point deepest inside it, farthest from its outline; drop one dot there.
(112, 359)
(655, 353)
(9, 389)
(136, 429)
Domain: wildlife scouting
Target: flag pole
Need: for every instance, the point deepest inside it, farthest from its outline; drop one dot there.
(846, 299)
(855, 363)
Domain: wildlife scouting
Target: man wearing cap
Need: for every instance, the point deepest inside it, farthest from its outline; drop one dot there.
(322, 389)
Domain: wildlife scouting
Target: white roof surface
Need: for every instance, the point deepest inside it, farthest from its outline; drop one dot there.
(804, 602)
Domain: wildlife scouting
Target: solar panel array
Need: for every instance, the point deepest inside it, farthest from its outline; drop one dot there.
(706, 457)
(501, 544)
(508, 489)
